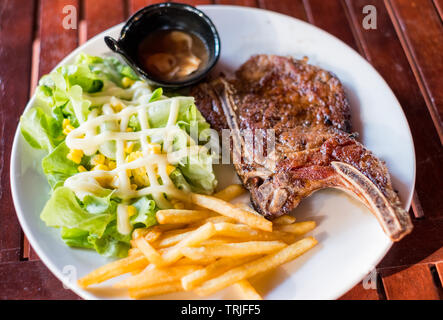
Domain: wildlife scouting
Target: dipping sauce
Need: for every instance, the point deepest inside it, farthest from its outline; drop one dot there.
(172, 55)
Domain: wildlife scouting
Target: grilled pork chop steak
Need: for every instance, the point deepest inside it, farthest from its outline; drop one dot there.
(314, 146)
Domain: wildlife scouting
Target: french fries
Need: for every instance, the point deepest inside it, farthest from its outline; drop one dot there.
(231, 192)
(114, 269)
(284, 219)
(227, 209)
(181, 216)
(247, 290)
(233, 249)
(299, 228)
(207, 246)
(253, 268)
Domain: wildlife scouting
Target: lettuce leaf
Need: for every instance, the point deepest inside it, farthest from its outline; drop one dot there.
(64, 210)
(90, 225)
(40, 130)
(145, 216)
(57, 167)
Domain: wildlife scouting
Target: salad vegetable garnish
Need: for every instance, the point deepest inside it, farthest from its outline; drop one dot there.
(117, 151)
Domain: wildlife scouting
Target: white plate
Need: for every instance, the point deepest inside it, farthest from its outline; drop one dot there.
(351, 241)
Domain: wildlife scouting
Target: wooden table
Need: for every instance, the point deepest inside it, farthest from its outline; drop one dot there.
(406, 48)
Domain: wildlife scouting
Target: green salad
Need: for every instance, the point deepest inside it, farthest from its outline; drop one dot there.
(117, 151)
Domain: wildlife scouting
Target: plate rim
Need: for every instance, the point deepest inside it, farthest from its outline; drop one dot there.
(15, 153)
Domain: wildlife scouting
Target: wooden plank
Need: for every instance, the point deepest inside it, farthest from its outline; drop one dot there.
(439, 267)
(411, 283)
(293, 8)
(55, 43)
(420, 29)
(16, 34)
(383, 49)
(31, 280)
(360, 293)
(135, 5)
(331, 17)
(423, 245)
(100, 16)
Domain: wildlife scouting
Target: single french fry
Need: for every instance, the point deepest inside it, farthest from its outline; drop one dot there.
(246, 207)
(177, 216)
(152, 234)
(233, 249)
(228, 209)
(231, 192)
(152, 276)
(247, 290)
(284, 219)
(195, 278)
(194, 238)
(299, 228)
(201, 262)
(172, 237)
(160, 289)
(237, 230)
(170, 227)
(216, 219)
(114, 269)
(255, 267)
(212, 242)
(150, 253)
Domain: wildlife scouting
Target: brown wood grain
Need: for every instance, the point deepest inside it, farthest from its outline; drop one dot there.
(293, 8)
(55, 42)
(342, 18)
(383, 49)
(135, 5)
(99, 15)
(439, 267)
(331, 17)
(412, 283)
(421, 32)
(16, 36)
(360, 293)
(31, 280)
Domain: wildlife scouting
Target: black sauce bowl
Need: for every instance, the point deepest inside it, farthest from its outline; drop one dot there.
(166, 16)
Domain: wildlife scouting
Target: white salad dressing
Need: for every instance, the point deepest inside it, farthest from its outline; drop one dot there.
(92, 134)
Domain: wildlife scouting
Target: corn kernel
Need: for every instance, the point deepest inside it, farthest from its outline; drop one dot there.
(65, 123)
(104, 181)
(111, 164)
(132, 211)
(114, 182)
(134, 155)
(68, 129)
(134, 186)
(154, 148)
(140, 177)
(81, 169)
(129, 129)
(75, 155)
(169, 169)
(98, 159)
(100, 167)
(127, 82)
(129, 147)
(116, 104)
